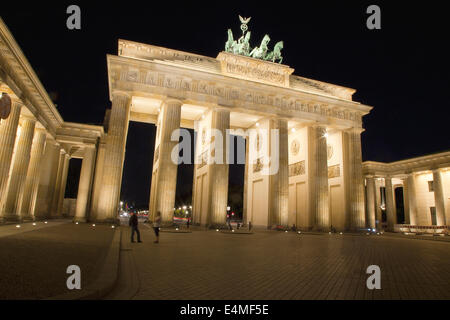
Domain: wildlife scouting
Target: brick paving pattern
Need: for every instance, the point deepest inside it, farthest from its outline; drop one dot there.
(277, 265)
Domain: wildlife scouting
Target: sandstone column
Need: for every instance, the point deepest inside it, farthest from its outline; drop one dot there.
(279, 181)
(378, 212)
(57, 190)
(318, 178)
(390, 204)
(406, 200)
(371, 210)
(32, 181)
(219, 172)
(247, 165)
(47, 181)
(8, 133)
(412, 202)
(84, 187)
(97, 187)
(439, 198)
(164, 177)
(62, 189)
(354, 179)
(114, 157)
(19, 170)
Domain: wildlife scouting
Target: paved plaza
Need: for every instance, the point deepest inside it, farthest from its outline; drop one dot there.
(277, 265)
(218, 265)
(34, 258)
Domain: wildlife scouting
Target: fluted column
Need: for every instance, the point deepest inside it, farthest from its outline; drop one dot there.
(63, 184)
(57, 190)
(371, 210)
(279, 181)
(219, 172)
(412, 202)
(97, 187)
(318, 178)
(28, 200)
(19, 170)
(247, 165)
(8, 133)
(439, 198)
(114, 157)
(390, 204)
(406, 201)
(354, 181)
(164, 177)
(47, 181)
(378, 212)
(84, 187)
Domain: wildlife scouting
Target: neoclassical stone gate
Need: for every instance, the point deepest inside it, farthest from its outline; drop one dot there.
(319, 181)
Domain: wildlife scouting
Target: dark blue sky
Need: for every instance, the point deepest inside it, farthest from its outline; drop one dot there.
(402, 70)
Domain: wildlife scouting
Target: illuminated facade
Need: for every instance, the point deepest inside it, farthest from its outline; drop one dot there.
(318, 183)
(424, 185)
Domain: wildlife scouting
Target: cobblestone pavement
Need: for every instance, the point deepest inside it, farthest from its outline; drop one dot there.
(34, 259)
(277, 265)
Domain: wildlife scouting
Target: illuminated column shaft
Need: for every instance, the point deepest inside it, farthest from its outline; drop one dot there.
(390, 204)
(245, 197)
(355, 182)
(164, 181)
(406, 201)
(280, 181)
(318, 178)
(378, 212)
(8, 133)
(219, 172)
(114, 157)
(412, 202)
(439, 198)
(62, 189)
(84, 187)
(57, 189)
(371, 202)
(47, 181)
(32, 181)
(96, 189)
(18, 176)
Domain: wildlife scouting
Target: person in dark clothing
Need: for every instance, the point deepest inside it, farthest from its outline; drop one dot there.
(133, 222)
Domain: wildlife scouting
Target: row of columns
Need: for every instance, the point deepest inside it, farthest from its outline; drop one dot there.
(164, 175)
(410, 201)
(33, 171)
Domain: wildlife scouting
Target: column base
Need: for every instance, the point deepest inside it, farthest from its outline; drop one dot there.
(82, 220)
(10, 219)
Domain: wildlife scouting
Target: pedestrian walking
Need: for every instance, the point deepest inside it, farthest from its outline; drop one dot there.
(249, 225)
(156, 225)
(133, 222)
(188, 222)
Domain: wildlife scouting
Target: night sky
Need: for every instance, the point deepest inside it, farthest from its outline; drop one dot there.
(402, 70)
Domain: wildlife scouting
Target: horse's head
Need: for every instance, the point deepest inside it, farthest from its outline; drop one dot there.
(265, 40)
(230, 35)
(247, 36)
(279, 45)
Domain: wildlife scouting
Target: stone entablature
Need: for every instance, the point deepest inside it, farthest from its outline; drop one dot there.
(236, 66)
(79, 134)
(17, 74)
(141, 77)
(425, 163)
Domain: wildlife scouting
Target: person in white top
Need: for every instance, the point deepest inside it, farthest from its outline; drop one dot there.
(156, 225)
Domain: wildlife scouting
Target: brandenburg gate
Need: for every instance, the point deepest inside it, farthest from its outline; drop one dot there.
(319, 181)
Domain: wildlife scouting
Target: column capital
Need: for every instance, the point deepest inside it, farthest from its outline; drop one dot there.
(354, 130)
(170, 100)
(119, 93)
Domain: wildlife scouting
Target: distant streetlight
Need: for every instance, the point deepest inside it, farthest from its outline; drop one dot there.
(184, 207)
